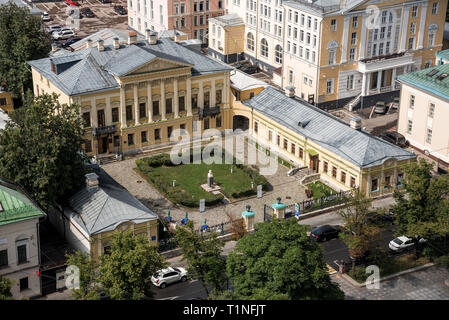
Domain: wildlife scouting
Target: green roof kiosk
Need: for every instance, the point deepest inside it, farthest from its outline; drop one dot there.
(248, 218)
(279, 209)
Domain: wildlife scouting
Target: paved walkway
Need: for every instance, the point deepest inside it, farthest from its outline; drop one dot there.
(427, 284)
(282, 186)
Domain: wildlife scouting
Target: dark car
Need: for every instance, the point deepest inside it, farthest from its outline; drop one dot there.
(69, 42)
(242, 64)
(120, 10)
(105, 1)
(87, 12)
(324, 233)
(395, 138)
(376, 218)
(250, 69)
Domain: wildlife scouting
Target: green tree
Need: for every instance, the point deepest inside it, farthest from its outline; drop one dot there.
(279, 261)
(5, 288)
(203, 256)
(40, 149)
(125, 273)
(21, 39)
(358, 234)
(423, 205)
(88, 288)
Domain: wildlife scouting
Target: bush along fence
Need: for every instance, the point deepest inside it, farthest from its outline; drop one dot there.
(306, 206)
(271, 154)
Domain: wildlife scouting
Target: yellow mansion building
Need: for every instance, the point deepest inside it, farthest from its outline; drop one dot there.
(335, 52)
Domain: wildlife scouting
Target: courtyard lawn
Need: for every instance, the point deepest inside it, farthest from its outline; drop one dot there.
(320, 189)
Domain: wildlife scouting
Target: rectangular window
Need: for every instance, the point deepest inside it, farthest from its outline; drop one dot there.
(374, 185)
(87, 146)
(142, 110)
(301, 152)
(3, 258)
(169, 105)
(343, 177)
(429, 136)
(412, 101)
(278, 140)
(169, 131)
(435, 8)
(270, 135)
(355, 22)
(206, 99)
(352, 182)
(334, 171)
(411, 43)
(156, 108)
(415, 11)
(352, 54)
(130, 139)
(129, 113)
(285, 144)
(206, 124)
(182, 103)
(387, 182)
(333, 25)
(182, 126)
(350, 82)
(330, 86)
(325, 166)
(143, 136)
(157, 134)
(399, 179)
(115, 115)
(116, 141)
(22, 256)
(195, 101)
(431, 110)
(292, 148)
(353, 38)
(412, 28)
(218, 96)
(218, 122)
(86, 118)
(256, 126)
(409, 126)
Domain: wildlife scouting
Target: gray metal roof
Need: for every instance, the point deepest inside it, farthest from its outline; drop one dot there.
(102, 209)
(358, 147)
(95, 70)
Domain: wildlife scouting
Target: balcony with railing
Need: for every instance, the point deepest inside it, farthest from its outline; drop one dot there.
(207, 112)
(96, 132)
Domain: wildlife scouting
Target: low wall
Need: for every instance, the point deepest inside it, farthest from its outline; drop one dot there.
(310, 178)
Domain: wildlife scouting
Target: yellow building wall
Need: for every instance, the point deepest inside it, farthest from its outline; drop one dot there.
(8, 105)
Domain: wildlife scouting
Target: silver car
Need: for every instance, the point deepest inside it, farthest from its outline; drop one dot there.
(380, 107)
(168, 276)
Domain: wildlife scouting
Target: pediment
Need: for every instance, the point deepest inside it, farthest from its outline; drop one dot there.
(158, 64)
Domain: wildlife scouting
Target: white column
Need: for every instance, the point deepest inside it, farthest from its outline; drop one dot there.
(226, 93)
(422, 24)
(201, 95)
(379, 80)
(362, 49)
(405, 28)
(136, 104)
(108, 111)
(93, 113)
(162, 102)
(393, 78)
(368, 83)
(149, 102)
(189, 96)
(175, 97)
(364, 84)
(122, 107)
(212, 94)
(344, 46)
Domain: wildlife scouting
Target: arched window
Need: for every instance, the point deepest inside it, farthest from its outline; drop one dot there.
(250, 41)
(264, 48)
(278, 54)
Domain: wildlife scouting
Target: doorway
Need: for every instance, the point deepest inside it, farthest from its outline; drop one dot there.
(314, 163)
(103, 145)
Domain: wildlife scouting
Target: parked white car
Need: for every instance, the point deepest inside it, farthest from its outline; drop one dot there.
(168, 276)
(45, 16)
(63, 34)
(403, 243)
(53, 28)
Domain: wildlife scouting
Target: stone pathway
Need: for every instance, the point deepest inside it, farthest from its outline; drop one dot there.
(281, 186)
(427, 284)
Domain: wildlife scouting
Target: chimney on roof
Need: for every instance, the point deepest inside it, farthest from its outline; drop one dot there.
(116, 43)
(356, 123)
(89, 43)
(92, 181)
(132, 37)
(152, 37)
(54, 47)
(290, 91)
(100, 45)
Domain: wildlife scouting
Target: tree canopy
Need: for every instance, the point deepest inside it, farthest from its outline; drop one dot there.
(40, 149)
(279, 261)
(88, 289)
(203, 256)
(125, 273)
(423, 206)
(21, 39)
(5, 288)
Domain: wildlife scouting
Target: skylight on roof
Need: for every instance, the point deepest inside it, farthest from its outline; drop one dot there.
(442, 76)
(432, 72)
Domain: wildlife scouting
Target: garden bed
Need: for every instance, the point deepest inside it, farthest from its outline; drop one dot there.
(160, 172)
(320, 189)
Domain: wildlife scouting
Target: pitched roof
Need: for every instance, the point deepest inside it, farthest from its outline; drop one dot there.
(103, 208)
(90, 70)
(15, 205)
(431, 80)
(243, 81)
(333, 134)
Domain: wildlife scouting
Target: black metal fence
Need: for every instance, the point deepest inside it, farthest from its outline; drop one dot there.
(307, 206)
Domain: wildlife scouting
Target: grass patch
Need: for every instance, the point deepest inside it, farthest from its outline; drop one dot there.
(159, 171)
(320, 189)
(391, 266)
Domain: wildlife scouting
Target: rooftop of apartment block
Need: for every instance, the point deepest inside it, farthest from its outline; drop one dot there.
(326, 130)
(434, 80)
(228, 20)
(321, 7)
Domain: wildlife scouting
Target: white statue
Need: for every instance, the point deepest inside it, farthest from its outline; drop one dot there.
(210, 179)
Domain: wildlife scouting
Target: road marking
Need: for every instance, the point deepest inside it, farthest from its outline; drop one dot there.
(169, 298)
(330, 270)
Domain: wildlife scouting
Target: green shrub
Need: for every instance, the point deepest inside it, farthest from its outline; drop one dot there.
(443, 261)
(358, 274)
